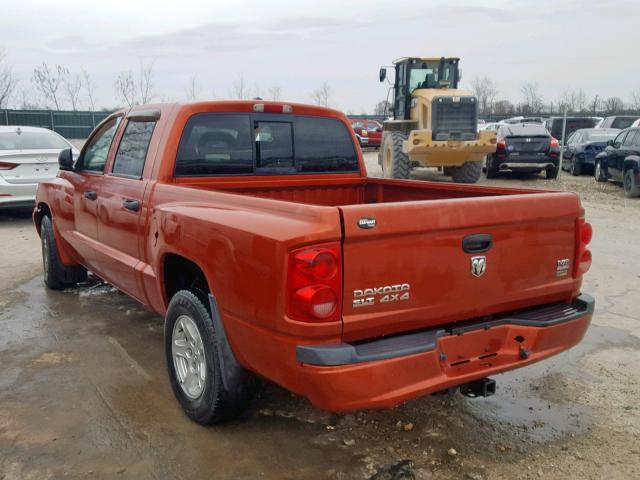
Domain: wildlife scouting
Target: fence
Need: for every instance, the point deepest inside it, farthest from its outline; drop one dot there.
(69, 124)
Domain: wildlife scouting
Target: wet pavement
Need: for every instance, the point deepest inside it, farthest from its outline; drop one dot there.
(84, 394)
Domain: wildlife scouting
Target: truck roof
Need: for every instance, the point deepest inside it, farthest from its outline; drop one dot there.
(423, 59)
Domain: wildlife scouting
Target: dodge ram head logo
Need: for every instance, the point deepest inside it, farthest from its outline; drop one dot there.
(478, 266)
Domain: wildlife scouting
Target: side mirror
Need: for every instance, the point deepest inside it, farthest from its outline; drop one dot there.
(383, 74)
(65, 159)
(609, 143)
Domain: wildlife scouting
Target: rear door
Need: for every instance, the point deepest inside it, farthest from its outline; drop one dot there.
(411, 270)
(615, 159)
(120, 207)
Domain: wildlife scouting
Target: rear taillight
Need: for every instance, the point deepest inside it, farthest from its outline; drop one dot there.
(502, 143)
(7, 165)
(554, 143)
(314, 283)
(585, 234)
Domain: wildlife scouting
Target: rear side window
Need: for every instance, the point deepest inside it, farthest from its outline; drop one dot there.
(239, 144)
(630, 139)
(132, 150)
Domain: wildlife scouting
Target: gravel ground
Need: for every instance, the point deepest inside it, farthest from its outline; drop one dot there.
(84, 393)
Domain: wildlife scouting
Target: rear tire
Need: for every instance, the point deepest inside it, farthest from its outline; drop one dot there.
(598, 172)
(469, 172)
(193, 363)
(630, 183)
(57, 276)
(395, 163)
(552, 173)
(576, 167)
(492, 172)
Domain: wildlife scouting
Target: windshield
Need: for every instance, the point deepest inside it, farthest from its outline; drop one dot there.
(19, 140)
(425, 75)
(623, 122)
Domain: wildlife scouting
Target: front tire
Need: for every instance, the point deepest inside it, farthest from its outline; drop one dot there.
(193, 362)
(598, 172)
(492, 171)
(395, 163)
(469, 172)
(630, 183)
(57, 276)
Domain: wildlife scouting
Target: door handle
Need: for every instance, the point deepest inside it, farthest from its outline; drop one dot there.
(90, 195)
(478, 243)
(133, 205)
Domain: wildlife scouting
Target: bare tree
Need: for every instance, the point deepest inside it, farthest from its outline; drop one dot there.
(90, 87)
(135, 91)
(322, 94)
(257, 91)
(48, 82)
(71, 86)
(29, 100)
(193, 89)
(635, 100)
(125, 87)
(532, 99)
(383, 107)
(240, 90)
(274, 93)
(503, 107)
(486, 91)
(613, 105)
(596, 103)
(145, 82)
(573, 101)
(7, 80)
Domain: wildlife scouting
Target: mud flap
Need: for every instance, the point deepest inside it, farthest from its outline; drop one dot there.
(234, 376)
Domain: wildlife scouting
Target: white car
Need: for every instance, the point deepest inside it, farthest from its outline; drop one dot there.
(28, 155)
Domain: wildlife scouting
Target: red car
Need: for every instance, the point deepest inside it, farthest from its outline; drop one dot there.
(368, 132)
(269, 251)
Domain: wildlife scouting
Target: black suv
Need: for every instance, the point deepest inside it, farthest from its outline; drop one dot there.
(620, 161)
(524, 147)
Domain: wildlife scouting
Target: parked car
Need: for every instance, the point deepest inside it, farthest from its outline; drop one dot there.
(620, 161)
(554, 125)
(619, 121)
(635, 124)
(368, 132)
(252, 227)
(493, 126)
(524, 147)
(582, 147)
(28, 155)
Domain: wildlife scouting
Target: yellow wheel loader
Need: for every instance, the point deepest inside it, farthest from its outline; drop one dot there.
(434, 123)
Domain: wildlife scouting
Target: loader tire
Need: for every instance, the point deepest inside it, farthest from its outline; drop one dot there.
(469, 172)
(395, 163)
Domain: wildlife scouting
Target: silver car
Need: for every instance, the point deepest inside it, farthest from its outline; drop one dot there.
(28, 155)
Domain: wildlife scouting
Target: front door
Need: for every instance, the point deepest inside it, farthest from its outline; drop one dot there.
(121, 208)
(87, 179)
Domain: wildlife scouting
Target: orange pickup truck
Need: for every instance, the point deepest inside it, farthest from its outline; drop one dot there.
(253, 228)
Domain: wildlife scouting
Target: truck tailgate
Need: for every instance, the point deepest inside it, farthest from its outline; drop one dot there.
(410, 271)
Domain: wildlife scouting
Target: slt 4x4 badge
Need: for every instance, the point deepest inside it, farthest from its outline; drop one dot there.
(367, 222)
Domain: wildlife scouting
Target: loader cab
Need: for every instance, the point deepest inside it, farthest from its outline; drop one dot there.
(420, 73)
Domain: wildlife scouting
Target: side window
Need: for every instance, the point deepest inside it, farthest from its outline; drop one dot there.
(618, 141)
(636, 142)
(573, 138)
(630, 139)
(95, 154)
(132, 150)
(216, 144)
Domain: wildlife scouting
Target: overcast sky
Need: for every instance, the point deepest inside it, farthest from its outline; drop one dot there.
(297, 45)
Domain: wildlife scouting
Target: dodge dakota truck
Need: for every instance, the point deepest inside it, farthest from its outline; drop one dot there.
(252, 227)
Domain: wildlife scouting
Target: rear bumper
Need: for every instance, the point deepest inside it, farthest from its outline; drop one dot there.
(385, 372)
(17, 194)
(522, 166)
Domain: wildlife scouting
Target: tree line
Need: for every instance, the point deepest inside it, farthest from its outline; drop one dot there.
(60, 88)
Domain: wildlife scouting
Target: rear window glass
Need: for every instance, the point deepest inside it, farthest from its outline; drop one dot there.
(596, 136)
(19, 140)
(239, 144)
(526, 130)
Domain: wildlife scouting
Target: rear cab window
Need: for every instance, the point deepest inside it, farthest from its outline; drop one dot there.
(264, 144)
